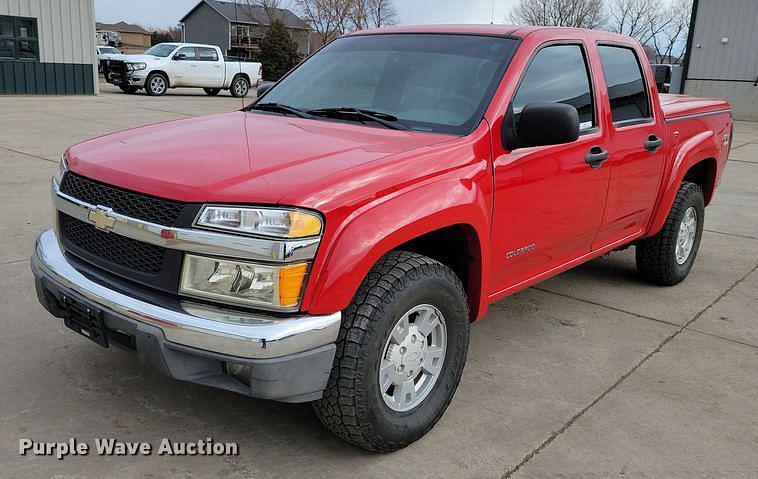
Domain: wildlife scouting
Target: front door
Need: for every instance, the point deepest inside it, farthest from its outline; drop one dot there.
(636, 146)
(549, 200)
(185, 67)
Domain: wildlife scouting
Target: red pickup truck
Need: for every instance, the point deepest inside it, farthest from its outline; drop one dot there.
(333, 241)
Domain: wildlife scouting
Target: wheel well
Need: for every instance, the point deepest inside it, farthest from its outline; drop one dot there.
(703, 174)
(161, 72)
(243, 75)
(457, 247)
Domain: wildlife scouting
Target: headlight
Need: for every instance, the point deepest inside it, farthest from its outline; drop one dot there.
(277, 223)
(250, 284)
(62, 168)
(138, 66)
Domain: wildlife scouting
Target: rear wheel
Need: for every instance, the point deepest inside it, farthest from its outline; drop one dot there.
(212, 91)
(239, 87)
(129, 89)
(156, 84)
(667, 257)
(400, 354)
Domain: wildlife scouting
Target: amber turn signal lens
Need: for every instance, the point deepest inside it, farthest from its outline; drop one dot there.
(303, 224)
(291, 280)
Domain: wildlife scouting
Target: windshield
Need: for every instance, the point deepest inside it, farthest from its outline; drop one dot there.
(161, 50)
(429, 82)
(108, 50)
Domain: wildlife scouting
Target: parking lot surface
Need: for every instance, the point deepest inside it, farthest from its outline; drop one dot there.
(589, 374)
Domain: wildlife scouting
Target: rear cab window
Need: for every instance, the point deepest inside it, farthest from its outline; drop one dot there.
(558, 73)
(627, 91)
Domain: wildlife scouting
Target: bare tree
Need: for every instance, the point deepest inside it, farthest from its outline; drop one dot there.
(561, 13)
(673, 34)
(661, 29)
(373, 14)
(641, 19)
(327, 17)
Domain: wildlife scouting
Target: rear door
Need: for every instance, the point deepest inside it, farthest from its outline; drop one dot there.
(210, 67)
(186, 70)
(636, 150)
(548, 199)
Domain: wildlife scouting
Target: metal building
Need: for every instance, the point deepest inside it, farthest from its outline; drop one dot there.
(47, 47)
(722, 54)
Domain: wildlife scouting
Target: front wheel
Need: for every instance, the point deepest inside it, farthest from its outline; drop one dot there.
(667, 257)
(239, 87)
(400, 354)
(156, 84)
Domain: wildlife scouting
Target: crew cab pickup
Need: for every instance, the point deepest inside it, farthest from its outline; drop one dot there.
(333, 241)
(175, 65)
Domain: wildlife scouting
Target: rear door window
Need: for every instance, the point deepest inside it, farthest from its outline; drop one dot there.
(626, 85)
(557, 74)
(205, 54)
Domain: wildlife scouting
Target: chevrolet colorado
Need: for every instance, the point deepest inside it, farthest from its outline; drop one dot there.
(333, 241)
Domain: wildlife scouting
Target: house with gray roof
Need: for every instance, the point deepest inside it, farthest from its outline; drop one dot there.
(237, 28)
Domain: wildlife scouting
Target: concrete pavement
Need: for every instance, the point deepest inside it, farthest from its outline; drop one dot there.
(589, 374)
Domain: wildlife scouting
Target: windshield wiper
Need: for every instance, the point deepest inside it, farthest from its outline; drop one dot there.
(348, 113)
(278, 107)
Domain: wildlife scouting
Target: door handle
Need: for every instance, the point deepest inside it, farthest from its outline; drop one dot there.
(653, 143)
(596, 156)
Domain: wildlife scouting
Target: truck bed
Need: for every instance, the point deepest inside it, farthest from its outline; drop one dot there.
(675, 106)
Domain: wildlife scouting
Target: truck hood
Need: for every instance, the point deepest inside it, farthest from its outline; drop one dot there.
(141, 58)
(236, 157)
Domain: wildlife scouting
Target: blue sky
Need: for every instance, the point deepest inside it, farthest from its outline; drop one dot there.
(158, 13)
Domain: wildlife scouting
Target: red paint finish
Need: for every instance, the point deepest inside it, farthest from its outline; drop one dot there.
(379, 188)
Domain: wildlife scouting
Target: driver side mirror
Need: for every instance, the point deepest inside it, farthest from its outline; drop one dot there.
(264, 87)
(541, 124)
(180, 56)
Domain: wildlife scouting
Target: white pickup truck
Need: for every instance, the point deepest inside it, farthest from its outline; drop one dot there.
(175, 65)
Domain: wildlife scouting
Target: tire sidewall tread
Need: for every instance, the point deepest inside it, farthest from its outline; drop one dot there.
(656, 256)
(352, 406)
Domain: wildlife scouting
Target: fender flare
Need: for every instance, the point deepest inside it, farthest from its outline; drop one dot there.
(699, 147)
(381, 226)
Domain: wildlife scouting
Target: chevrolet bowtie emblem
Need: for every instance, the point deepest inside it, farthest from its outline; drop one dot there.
(99, 217)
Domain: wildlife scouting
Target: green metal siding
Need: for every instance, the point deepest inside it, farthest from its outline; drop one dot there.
(30, 78)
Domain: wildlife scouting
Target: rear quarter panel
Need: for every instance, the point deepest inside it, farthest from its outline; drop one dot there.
(698, 129)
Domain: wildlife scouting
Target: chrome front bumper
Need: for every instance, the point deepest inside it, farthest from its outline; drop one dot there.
(195, 325)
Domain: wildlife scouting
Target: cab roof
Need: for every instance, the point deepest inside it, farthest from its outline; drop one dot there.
(517, 31)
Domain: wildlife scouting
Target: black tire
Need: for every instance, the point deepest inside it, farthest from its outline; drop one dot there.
(152, 88)
(129, 89)
(352, 406)
(656, 256)
(239, 87)
(211, 91)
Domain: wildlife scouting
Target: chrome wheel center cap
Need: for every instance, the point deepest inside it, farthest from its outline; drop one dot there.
(408, 356)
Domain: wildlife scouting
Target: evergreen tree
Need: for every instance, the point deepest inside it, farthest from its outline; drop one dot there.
(278, 51)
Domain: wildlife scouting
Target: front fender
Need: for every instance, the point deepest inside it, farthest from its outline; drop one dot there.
(383, 225)
(695, 149)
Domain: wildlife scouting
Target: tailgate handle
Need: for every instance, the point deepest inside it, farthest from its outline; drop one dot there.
(596, 156)
(653, 143)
